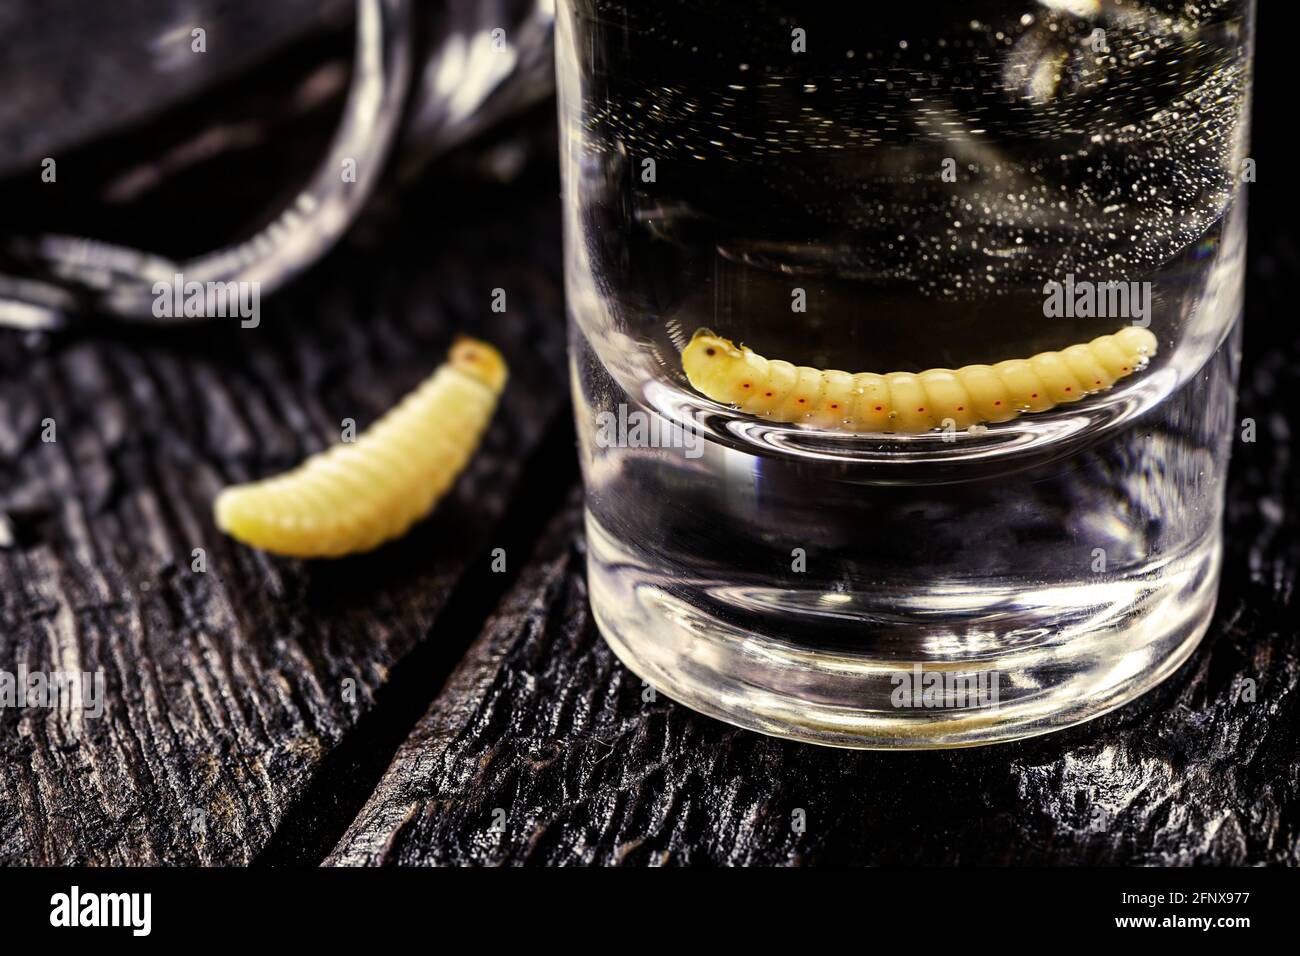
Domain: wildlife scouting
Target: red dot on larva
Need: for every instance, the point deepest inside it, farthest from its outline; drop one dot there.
(880, 408)
(1034, 395)
(802, 400)
(1124, 369)
(961, 408)
(1098, 382)
(1068, 389)
(835, 405)
(744, 385)
(999, 402)
(768, 394)
(710, 352)
(921, 409)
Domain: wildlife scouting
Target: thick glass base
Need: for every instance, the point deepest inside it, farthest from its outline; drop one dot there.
(1095, 647)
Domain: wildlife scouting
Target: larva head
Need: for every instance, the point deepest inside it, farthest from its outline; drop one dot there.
(709, 359)
(480, 361)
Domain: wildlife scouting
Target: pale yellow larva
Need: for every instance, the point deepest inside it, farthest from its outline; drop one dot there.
(903, 402)
(357, 495)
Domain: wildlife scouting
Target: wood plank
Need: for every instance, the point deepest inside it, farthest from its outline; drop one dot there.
(541, 729)
(227, 690)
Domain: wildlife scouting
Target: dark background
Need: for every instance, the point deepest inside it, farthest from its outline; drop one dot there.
(232, 735)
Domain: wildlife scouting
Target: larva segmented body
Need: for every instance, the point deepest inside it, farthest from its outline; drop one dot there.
(903, 402)
(357, 495)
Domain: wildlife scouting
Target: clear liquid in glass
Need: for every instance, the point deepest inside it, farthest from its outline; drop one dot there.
(912, 176)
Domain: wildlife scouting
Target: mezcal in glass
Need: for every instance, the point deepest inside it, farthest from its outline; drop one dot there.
(880, 187)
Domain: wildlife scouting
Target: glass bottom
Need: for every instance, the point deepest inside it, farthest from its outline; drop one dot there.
(1098, 647)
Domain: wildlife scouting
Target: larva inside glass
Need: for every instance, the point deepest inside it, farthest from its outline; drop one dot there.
(973, 285)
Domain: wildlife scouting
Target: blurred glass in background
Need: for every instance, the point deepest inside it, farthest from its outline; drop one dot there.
(228, 140)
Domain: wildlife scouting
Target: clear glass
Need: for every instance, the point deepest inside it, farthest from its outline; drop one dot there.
(896, 186)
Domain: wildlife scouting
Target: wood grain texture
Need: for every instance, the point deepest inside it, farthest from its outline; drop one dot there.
(227, 689)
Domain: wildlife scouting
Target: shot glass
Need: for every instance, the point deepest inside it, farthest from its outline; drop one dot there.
(904, 346)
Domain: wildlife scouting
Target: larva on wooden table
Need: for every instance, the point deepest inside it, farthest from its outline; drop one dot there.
(903, 402)
(357, 495)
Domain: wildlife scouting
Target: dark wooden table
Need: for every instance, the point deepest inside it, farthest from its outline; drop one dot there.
(414, 706)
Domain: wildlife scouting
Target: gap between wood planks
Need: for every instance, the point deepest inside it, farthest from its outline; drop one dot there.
(351, 771)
